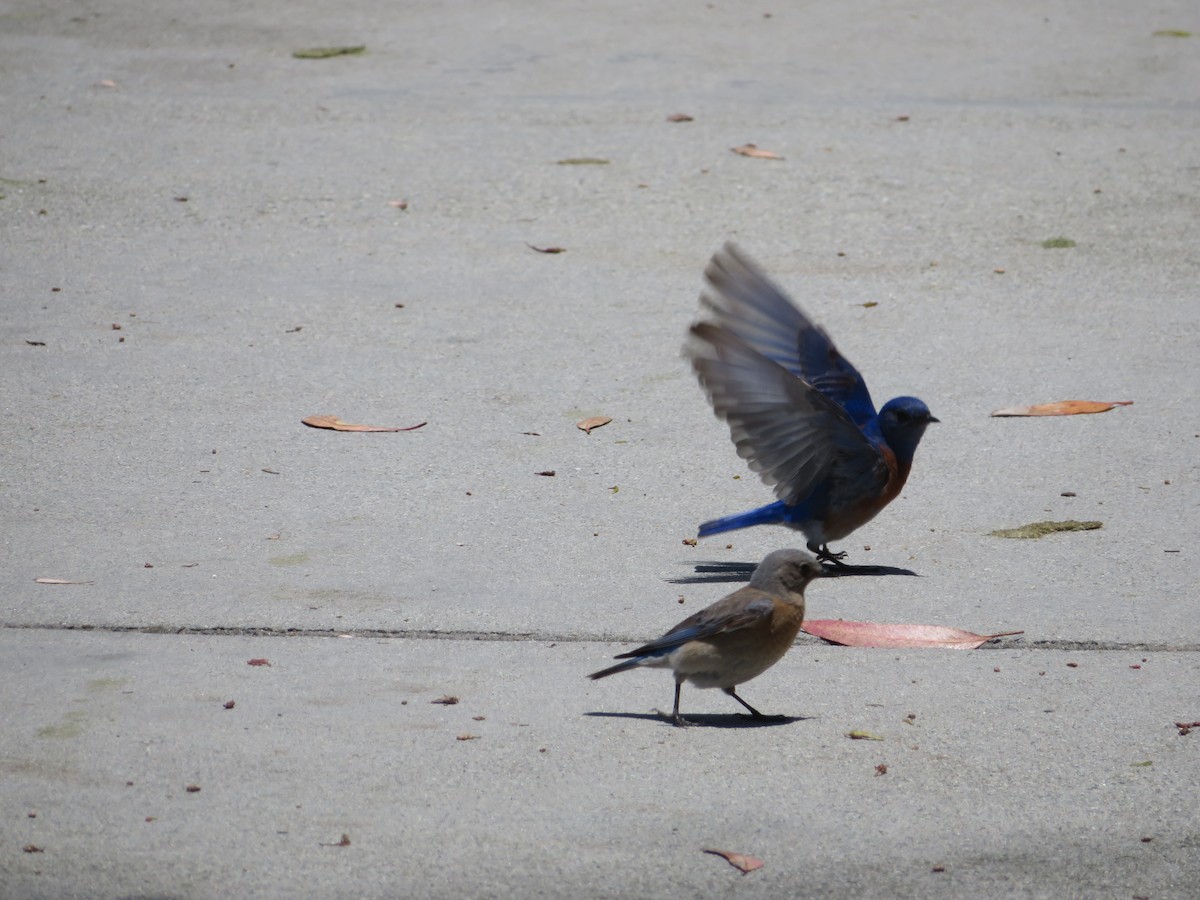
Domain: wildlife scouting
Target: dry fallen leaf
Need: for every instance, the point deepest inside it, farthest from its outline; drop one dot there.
(446, 700)
(741, 861)
(32, 848)
(548, 473)
(875, 634)
(680, 117)
(258, 661)
(587, 426)
(467, 737)
(1185, 728)
(756, 152)
(60, 581)
(192, 788)
(1062, 408)
(547, 249)
(336, 424)
(327, 52)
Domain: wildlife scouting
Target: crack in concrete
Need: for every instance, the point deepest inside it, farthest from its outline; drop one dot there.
(1013, 643)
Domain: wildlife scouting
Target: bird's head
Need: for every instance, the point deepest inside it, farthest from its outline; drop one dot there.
(786, 571)
(902, 422)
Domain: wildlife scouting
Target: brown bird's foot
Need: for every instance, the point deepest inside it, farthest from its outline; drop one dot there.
(676, 719)
(826, 555)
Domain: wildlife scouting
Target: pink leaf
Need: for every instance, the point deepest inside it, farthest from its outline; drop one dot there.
(876, 634)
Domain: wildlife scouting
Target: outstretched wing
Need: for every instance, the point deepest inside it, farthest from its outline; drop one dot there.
(747, 304)
(744, 608)
(794, 436)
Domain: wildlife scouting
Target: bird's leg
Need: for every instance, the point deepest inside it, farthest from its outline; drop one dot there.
(675, 716)
(754, 712)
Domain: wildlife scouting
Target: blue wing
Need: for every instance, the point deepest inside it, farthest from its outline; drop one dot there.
(751, 307)
(744, 608)
(795, 437)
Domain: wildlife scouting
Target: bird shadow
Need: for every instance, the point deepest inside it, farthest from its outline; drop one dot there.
(710, 571)
(723, 720)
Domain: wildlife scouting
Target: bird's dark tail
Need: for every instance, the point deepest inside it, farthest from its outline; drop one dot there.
(771, 514)
(619, 667)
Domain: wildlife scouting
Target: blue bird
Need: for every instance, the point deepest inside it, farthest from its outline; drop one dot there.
(737, 638)
(797, 410)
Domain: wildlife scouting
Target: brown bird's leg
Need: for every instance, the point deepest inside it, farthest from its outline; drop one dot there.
(675, 716)
(754, 712)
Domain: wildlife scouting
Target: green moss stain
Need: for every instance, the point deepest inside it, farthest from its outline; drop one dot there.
(71, 726)
(1041, 529)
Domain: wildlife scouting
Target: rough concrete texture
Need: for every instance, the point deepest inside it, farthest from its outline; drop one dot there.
(203, 243)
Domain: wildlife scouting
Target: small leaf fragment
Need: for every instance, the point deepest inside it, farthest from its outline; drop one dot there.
(1172, 32)
(548, 473)
(680, 117)
(1063, 408)
(192, 788)
(259, 661)
(756, 152)
(229, 704)
(690, 542)
(467, 737)
(547, 249)
(583, 161)
(446, 700)
(740, 861)
(328, 52)
(895, 636)
(587, 426)
(1057, 243)
(1041, 529)
(344, 842)
(335, 424)
(32, 848)
(859, 735)
(1145, 764)
(60, 581)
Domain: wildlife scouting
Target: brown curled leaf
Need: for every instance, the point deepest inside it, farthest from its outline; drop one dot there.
(1062, 408)
(756, 152)
(587, 426)
(740, 861)
(335, 424)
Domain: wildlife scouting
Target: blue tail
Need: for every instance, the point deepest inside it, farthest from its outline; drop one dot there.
(772, 514)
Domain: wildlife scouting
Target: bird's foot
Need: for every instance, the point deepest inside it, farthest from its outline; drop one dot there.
(827, 555)
(679, 721)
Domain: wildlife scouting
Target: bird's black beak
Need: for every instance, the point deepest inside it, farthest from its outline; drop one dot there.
(935, 419)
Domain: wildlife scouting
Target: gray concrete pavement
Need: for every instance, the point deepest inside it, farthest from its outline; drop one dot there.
(179, 174)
